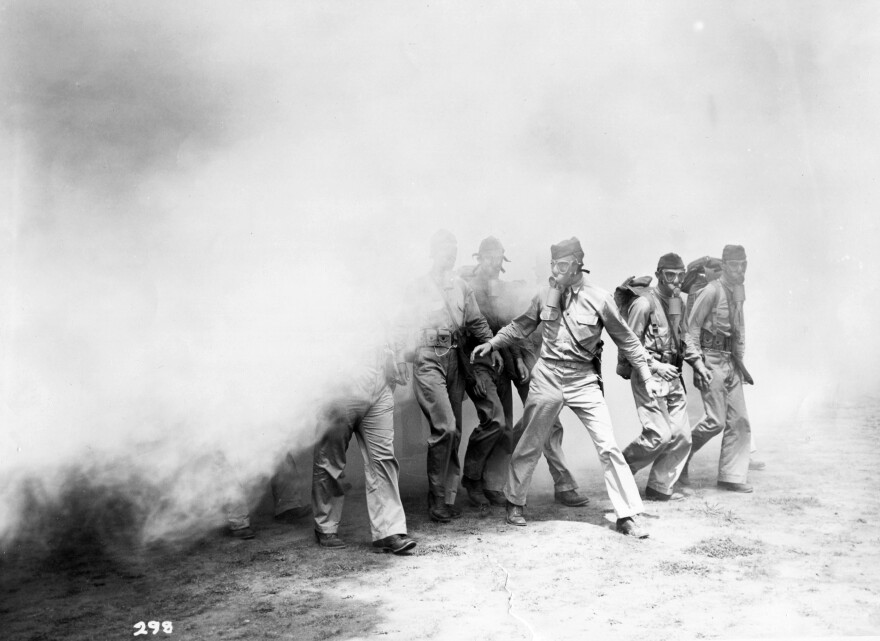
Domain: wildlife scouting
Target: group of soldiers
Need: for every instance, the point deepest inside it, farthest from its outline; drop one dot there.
(465, 333)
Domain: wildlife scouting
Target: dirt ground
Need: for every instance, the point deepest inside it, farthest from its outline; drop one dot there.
(798, 558)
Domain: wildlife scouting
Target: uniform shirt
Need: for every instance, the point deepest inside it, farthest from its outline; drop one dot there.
(712, 313)
(641, 311)
(587, 310)
(427, 309)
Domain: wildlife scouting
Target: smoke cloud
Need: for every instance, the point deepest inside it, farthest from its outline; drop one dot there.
(212, 208)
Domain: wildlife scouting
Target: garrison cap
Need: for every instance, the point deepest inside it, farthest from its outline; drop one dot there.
(670, 261)
(733, 252)
(570, 247)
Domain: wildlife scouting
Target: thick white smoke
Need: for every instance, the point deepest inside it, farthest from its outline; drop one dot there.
(212, 208)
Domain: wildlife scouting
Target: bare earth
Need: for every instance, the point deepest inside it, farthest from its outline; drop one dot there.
(798, 558)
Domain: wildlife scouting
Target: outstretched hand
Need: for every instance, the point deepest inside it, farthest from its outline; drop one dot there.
(480, 350)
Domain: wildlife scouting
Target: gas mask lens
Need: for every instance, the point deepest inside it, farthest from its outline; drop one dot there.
(737, 265)
(673, 276)
(562, 266)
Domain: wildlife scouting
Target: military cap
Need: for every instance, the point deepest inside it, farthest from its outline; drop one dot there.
(733, 252)
(442, 237)
(490, 243)
(670, 261)
(570, 247)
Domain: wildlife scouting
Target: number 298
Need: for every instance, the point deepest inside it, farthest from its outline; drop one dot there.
(153, 626)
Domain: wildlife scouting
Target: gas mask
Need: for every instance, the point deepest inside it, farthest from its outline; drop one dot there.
(735, 271)
(553, 294)
(670, 281)
(565, 271)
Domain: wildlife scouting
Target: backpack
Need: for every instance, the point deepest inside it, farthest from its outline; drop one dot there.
(698, 273)
(624, 295)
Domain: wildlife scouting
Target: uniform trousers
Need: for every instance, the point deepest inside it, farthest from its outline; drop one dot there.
(372, 421)
(725, 411)
(439, 390)
(485, 437)
(557, 384)
(665, 440)
(496, 468)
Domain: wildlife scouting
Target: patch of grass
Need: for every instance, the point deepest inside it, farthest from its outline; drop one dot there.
(673, 568)
(444, 549)
(795, 503)
(724, 548)
(717, 512)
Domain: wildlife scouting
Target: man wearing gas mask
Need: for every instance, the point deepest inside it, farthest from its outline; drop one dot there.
(522, 358)
(716, 331)
(572, 314)
(442, 309)
(488, 388)
(656, 317)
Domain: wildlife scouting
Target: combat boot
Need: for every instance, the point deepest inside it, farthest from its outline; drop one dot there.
(515, 514)
(475, 492)
(438, 511)
(570, 498)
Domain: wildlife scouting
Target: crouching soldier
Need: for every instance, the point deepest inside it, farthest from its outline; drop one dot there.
(572, 314)
(365, 408)
(655, 316)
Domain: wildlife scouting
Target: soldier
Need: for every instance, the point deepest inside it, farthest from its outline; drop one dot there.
(716, 331)
(484, 384)
(523, 356)
(655, 317)
(442, 308)
(572, 313)
(365, 407)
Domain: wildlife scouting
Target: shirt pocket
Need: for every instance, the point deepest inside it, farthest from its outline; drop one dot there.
(585, 325)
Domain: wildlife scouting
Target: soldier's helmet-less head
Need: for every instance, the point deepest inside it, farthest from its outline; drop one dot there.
(734, 264)
(444, 249)
(490, 257)
(567, 261)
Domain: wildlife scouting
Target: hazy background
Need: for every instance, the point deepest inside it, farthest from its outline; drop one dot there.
(207, 209)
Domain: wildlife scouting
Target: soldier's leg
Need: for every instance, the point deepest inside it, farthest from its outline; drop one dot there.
(495, 471)
(733, 465)
(714, 402)
(563, 479)
(375, 434)
(328, 491)
(455, 393)
(583, 396)
(485, 436)
(432, 395)
(656, 432)
(235, 503)
(673, 457)
(287, 487)
(542, 408)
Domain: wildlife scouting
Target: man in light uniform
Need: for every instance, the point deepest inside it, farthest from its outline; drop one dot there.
(441, 308)
(655, 317)
(716, 331)
(572, 314)
(364, 406)
(521, 360)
